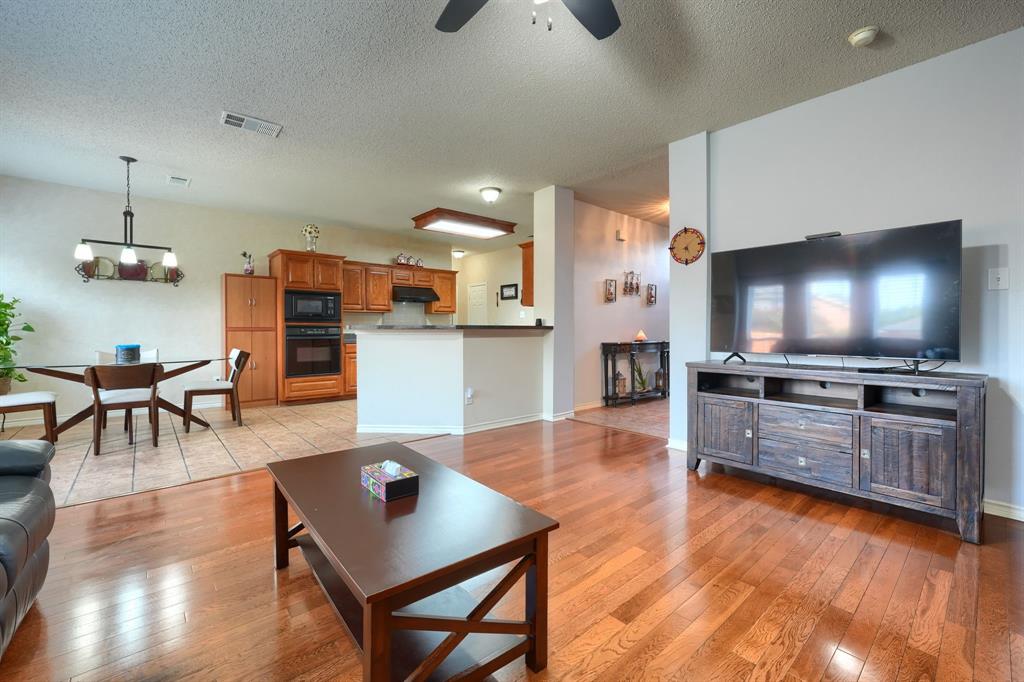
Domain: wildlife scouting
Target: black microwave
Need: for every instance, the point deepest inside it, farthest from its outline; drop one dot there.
(312, 306)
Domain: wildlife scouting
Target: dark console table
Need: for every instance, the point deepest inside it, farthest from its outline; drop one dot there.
(912, 440)
(610, 353)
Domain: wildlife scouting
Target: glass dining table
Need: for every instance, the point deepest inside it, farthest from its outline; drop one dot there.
(75, 373)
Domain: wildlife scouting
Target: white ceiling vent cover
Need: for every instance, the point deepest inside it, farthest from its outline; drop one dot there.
(178, 181)
(249, 123)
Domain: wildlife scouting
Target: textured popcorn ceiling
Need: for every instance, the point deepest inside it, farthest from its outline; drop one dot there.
(384, 117)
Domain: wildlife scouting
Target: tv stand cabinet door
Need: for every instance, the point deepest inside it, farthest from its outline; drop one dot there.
(915, 462)
(725, 429)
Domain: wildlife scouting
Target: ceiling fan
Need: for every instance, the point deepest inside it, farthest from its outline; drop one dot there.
(597, 16)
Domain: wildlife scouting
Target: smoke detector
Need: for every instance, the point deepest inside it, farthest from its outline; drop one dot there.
(255, 125)
(178, 181)
(863, 37)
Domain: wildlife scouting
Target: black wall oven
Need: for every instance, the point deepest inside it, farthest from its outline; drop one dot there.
(309, 351)
(312, 306)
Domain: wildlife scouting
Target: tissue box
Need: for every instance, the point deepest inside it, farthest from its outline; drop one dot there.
(389, 480)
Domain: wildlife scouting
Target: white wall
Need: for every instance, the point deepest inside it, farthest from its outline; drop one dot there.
(495, 268)
(939, 140)
(688, 317)
(40, 223)
(599, 256)
(553, 298)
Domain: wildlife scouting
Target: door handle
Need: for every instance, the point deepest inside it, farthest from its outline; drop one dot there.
(865, 454)
(748, 433)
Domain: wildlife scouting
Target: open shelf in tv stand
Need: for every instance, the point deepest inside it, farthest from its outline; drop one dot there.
(911, 440)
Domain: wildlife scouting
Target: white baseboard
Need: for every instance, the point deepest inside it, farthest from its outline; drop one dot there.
(558, 417)
(677, 444)
(500, 423)
(35, 417)
(588, 406)
(406, 428)
(1004, 509)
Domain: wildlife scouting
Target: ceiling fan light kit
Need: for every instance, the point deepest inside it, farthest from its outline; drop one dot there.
(597, 16)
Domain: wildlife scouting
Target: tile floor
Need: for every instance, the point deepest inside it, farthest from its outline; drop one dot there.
(649, 417)
(267, 434)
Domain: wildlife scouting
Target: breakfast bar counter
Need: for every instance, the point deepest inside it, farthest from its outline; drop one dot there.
(453, 379)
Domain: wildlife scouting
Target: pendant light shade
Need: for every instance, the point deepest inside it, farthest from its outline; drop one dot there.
(170, 260)
(128, 256)
(83, 252)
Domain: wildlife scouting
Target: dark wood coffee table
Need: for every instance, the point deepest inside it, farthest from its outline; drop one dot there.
(392, 570)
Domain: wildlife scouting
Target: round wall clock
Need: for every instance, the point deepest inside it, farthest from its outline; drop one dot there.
(687, 246)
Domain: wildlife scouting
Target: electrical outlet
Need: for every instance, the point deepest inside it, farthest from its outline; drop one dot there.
(469, 396)
(998, 278)
(522, 314)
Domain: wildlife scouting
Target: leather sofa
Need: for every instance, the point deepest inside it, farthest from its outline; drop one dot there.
(27, 513)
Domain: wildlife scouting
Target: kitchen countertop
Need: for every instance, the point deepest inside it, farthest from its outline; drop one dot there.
(446, 327)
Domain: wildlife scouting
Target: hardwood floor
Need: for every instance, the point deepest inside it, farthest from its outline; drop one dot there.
(656, 573)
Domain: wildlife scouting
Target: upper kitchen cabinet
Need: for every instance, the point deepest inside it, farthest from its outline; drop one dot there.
(307, 270)
(250, 302)
(527, 293)
(378, 288)
(444, 284)
(353, 286)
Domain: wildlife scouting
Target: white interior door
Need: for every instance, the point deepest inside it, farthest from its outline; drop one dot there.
(478, 303)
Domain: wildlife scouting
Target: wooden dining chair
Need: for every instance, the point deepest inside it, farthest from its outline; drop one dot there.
(237, 361)
(33, 400)
(104, 357)
(124, 387)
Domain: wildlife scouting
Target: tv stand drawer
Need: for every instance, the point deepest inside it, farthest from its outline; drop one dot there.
(811, 427)
(831, 466)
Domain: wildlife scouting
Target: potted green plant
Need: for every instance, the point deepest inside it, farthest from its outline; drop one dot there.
(9, 328)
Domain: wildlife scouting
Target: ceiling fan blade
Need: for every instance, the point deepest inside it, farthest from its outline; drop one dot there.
(456, 13)
(597, 16)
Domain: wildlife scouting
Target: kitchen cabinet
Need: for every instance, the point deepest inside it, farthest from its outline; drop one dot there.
(401, 276)
(422, 278)
(250, 324)
(378, 288)
(527, 290)
(250, 302)
(349, 369)
(258, 383)
(304, 270)
(353, 289)
(444, 285)
(309, 388)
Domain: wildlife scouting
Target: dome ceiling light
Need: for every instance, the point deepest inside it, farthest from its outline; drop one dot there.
(490, 194)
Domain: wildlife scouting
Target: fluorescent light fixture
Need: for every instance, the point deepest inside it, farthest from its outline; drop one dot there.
(128, 256)
(490, 194)
(458, 253)
(462, 224)
(83, 252)
(170, 260)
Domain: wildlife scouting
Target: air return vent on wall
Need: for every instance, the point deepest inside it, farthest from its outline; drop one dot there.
(249, 123)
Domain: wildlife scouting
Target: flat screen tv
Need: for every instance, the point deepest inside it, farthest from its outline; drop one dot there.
(883, 294)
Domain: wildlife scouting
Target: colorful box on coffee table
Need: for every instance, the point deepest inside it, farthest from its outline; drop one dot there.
(389, 480)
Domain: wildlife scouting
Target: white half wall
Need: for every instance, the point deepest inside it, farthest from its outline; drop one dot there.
(688, 284)
(940, 140)
(599, 256)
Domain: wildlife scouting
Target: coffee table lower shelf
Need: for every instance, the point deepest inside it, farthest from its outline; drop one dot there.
(480, 652)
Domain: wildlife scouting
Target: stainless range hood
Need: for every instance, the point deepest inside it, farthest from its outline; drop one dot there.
(414, 295)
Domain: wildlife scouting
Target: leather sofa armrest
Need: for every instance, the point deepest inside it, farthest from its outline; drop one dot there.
(25, 457)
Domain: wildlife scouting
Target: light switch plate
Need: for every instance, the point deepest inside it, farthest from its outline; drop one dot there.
(522, 314)
(998, 278)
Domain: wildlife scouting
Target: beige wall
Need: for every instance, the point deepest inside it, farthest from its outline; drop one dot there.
(599, 256)
(504, 266)
(40, 223)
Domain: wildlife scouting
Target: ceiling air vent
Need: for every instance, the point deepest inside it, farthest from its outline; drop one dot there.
(178, 181)
(249, 123)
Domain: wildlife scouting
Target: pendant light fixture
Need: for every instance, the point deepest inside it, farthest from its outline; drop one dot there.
(128, 255)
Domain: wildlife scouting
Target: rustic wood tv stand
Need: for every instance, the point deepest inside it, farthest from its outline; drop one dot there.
(912, 440)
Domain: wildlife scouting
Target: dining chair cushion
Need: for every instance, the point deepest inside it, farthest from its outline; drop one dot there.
(125, 395)
(214, 385)
(30, 398)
